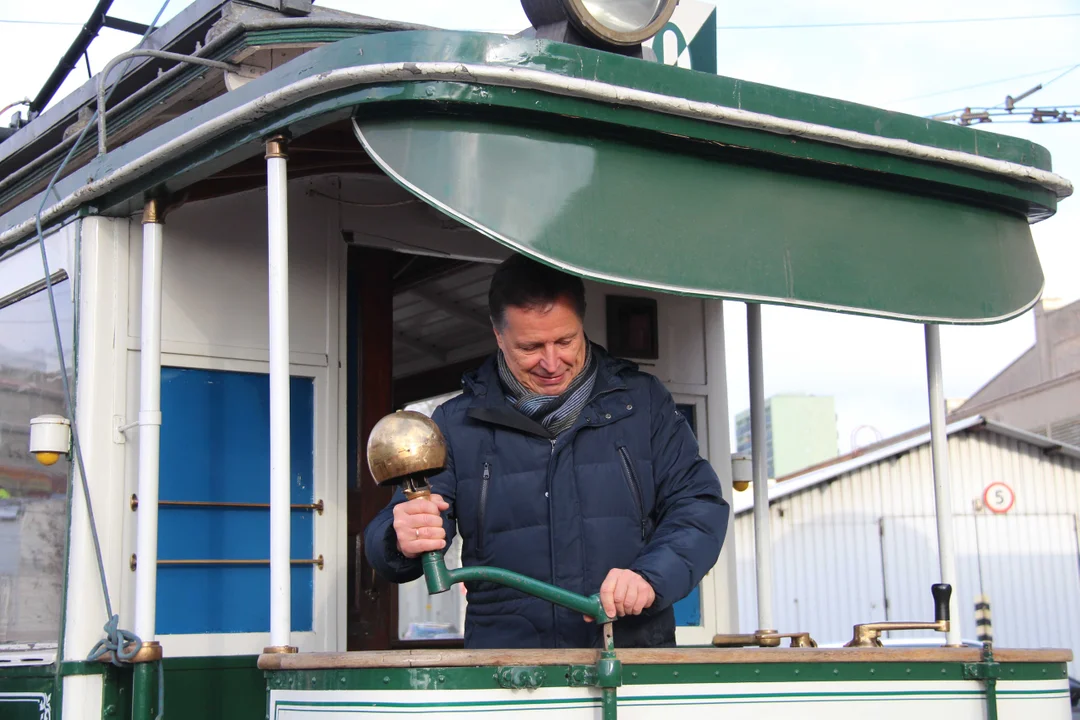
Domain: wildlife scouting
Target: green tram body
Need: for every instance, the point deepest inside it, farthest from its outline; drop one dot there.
(630, 173)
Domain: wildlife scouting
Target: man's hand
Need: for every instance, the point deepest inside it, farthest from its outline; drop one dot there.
(624, 592)
(419, 526)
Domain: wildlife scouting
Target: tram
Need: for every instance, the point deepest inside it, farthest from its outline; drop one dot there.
(222, 264)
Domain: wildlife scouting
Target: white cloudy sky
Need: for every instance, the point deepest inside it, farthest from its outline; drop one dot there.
(874, 368)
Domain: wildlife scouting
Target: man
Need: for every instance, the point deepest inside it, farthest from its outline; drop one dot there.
(569, 466)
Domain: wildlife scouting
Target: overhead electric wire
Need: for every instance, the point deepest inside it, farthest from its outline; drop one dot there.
(116, 640)
(38, 22)
(1040, 86)
(895, 23)
(1061, 75)
(989, 83)
(1001, 105)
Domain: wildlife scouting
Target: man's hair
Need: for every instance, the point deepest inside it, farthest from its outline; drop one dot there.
(524, 283)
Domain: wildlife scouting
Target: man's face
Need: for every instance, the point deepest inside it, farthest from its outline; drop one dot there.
(544, 346)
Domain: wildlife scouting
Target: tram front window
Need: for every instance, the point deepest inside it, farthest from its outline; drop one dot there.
(33, 497)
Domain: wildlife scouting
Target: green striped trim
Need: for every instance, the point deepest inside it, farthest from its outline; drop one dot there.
(481, 678)
(373, 706)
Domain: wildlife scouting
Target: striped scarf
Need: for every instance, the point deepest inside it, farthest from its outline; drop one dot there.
(555, 412)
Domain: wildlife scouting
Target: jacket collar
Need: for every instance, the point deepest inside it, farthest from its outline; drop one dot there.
(606, 405)
(487, 389)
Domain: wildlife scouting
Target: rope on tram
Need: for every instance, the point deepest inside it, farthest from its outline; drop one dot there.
(116, 639)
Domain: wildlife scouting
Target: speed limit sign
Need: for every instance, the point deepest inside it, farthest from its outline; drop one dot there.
(998, 497)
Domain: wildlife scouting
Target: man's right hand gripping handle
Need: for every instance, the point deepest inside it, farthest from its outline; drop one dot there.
(419, 526)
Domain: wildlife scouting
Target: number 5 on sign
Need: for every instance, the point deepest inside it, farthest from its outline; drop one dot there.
(998, 497)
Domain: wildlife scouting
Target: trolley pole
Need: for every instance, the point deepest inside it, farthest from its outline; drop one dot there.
(762, 536)
(939, 446)
(278, 249)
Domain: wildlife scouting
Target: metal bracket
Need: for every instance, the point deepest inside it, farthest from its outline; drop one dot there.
(119, 427)
(986, 669)
(609, 671)
(982, 671)
(582, 676)
(517, 678)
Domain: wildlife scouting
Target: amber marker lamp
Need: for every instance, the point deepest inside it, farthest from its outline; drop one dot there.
(50, 437)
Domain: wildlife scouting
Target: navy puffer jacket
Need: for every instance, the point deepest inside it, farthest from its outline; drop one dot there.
(623, 488)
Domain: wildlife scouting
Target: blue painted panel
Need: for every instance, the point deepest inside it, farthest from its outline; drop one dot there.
(688, 610)
(215, 446)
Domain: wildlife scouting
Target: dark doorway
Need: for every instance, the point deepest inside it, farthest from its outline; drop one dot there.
(415, 325)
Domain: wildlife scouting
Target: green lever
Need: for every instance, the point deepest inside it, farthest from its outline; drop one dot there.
(439, 579)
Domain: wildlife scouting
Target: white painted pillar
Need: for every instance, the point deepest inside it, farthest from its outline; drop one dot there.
(762, 536)
(719, 443)
(280, 465)
(939, 446)
(146, 536)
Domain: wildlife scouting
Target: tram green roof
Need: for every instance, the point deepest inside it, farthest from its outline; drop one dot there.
(639, 173)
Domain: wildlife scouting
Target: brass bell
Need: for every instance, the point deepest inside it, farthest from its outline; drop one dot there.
(405, 448)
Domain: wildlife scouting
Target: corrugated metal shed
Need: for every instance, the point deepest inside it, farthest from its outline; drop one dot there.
(855, 541)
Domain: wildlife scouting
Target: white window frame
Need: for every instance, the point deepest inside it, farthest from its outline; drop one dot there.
(327, 581)
(701, 634)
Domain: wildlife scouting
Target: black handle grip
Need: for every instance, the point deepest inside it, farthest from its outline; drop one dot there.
(942, 593)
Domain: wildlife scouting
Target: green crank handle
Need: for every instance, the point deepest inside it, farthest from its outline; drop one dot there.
(439, 579)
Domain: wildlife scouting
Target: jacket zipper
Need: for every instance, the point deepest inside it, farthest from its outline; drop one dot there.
(551, 536)
(483, 506)
(635, 487)
(551, 508)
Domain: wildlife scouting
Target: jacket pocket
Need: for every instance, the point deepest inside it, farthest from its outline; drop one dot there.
(635, 487)
(485, 479)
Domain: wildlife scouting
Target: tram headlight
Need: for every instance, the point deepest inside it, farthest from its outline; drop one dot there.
(50, 437)
(621, 23)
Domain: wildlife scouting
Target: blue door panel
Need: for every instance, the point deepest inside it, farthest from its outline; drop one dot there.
(215, 447)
